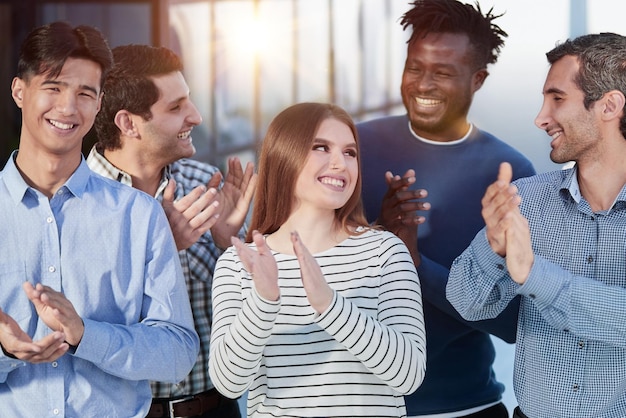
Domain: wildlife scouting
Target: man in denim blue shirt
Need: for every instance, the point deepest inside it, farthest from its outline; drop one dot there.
(558, 240)
(93, 299)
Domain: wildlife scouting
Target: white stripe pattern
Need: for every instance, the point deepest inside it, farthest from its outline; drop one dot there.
(356, 359)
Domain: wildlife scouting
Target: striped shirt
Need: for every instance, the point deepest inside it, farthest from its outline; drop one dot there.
(356, 359)
(570, 358)
(198, 263)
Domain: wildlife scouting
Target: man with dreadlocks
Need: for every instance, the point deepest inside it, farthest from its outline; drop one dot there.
(434, 151)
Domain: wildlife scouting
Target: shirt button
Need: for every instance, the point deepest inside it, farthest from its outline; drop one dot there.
(54, 364)
(52, 269)
(575, 387)
(55, 411)
(532, 296)
(581, 344)
(589, 259)
(49, 219)
(500, 266)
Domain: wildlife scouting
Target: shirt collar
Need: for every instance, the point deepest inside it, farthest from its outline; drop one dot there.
(429, 141)
(101, 165)
(18, 187)
(571, 185)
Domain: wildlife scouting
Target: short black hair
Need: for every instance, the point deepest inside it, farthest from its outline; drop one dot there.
(46, 48)
(129, 86)
(451, 16)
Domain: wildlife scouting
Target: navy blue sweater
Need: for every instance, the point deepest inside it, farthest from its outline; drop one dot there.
(460, 354)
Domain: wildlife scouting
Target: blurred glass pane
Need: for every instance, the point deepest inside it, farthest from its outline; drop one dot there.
(121, 23)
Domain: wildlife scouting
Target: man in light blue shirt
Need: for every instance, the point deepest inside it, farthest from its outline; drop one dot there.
(93, 302)
(559, 240)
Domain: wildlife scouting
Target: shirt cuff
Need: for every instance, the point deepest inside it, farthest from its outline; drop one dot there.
(544, 284)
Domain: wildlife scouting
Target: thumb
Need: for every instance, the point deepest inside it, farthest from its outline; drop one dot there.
(505, 174)
(170, 189)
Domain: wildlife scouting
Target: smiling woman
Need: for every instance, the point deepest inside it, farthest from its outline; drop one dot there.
(295, 311)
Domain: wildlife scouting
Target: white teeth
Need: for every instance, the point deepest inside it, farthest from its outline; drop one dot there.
(333, 182)
(61, 125)
(184, 135)
(556, 135)
(427, 102)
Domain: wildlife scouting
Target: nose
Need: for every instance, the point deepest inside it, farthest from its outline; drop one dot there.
(543, 119)
(194, 116)
(338, 160)
(424, 81)
(66, 103)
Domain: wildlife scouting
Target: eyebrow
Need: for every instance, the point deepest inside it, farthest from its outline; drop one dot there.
(60, 83)
(327, 142)
(554, 90)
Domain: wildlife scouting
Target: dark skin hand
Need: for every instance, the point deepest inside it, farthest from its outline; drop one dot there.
(399, 210)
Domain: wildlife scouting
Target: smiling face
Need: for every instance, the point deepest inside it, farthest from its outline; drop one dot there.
(438, 84)
(58, 112)
(166, 137)
(574, 130)
(331, 170)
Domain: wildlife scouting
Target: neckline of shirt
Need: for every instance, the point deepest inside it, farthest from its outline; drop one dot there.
(444, 144)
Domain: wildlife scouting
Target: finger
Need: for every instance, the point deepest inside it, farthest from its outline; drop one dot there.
(249, 172)
(298, 247)
(505, 174)
(250, 188)
(235, 171)
(206, 201)
(409, 196)
(244, 253)
(170, 189)
(50, 347)
(396, 183)
(215, 180)
(33, 294)
(261, 244)
(205, 219)
(192, 197)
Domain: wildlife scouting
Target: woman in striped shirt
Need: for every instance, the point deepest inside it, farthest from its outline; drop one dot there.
(319, 315)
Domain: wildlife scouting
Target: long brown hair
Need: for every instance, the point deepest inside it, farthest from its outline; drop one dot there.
(284, 152)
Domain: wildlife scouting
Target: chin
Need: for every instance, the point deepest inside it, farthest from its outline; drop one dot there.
(188, 152)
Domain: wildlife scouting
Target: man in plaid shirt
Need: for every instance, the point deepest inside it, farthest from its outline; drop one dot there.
(144, 140)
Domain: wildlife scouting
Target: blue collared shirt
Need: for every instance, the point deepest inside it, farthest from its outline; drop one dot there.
(570, 358)
(198, 262)
(110, 250)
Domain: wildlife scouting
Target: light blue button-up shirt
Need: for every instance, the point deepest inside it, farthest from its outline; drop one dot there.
(109, 249)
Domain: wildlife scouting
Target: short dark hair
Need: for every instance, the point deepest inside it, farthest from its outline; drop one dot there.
(46, 48)
(602, 59)
(129, 86)
(451, 16)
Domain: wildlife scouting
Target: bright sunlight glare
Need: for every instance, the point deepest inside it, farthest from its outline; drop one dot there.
(251, 37)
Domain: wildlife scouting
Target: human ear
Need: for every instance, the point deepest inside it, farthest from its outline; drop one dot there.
(479, 78)
(613, 104)
(17, 91)
(124, 121)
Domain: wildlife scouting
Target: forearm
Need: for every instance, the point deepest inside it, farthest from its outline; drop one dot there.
(581, 305)
(434, 278)
(238, 337)
(479, 287)
(129, 351)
